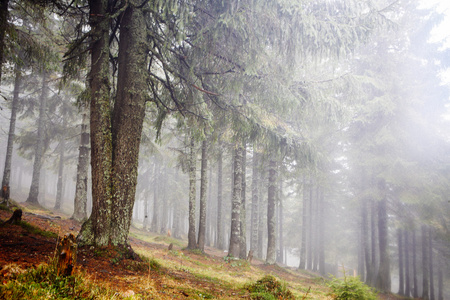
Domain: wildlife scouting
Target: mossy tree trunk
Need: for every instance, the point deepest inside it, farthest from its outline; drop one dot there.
(242, 213)
(96, 230)
(271, 219)
(220, 231)
(192, 241)
(80, 201)
(40, 144)
(255, 203)
(235, 234)
(203, 185)
(12, 123)
(115, 142)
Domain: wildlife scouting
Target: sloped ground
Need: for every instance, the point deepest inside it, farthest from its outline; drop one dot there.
(163, 273)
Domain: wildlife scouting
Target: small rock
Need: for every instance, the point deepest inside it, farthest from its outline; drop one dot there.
(128, 293)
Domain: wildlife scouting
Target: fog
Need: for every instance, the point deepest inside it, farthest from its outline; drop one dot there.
(344, 132)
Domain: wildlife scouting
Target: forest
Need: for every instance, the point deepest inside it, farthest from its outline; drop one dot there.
(311, 134)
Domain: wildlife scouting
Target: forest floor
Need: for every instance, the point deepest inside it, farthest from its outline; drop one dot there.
(163, 273)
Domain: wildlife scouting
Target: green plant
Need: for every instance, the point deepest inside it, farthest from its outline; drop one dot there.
(269, 288)
(35, 230)
(43, 283)
(350, 288)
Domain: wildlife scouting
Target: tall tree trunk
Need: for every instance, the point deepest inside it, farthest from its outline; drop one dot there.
(280, 253)
(302, 264)
(271, 219)
(440, 279)
(414, 263)
(235, 234)
(309, 249)
(177, 218)
(39, 147)
(14, 108)
(365, 240)
(164, 199)
(80, 201)
(315, 227)
(321, 225)
(146, 200)
(255, 203)
(62, 150)
(401, 289)
(220, 231)
(407, 273)
(243, 213)
(96, 230)
(154, 227)
(425, 262)
(203, 185)
(373, 237)
(3, 29)
(128, 118)
(384, 276)
(262, 226)
(192, 242)
(430, 256)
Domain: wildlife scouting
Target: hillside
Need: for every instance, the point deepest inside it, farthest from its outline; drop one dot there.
(162, 273)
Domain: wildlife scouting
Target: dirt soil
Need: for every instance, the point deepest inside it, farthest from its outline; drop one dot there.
(20, 249)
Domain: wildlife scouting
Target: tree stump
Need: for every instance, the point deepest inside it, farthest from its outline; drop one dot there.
(15, 218)
(66, 252)
(5, 194)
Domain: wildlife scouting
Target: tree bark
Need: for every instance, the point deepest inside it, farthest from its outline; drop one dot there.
(12, 120)
(309, 248)
(321, 225)
(128, 118)
(414, 264)
(401, 290)
(96, 230)
(255, 203)
(407, 273)
(280, 252)
(80, 201)
(235, 233)
(156, 184)
(39, 147)
(384, 276)
(271, 220)
(430, 256)
(220, 231)
(243, 213)
(192, 242)
(425, 262)
(3, 29)
(302, 264)
(440, 279)
(62, 150)
(203, 185)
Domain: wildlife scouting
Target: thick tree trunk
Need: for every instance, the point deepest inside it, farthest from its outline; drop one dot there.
(39, 147)
(302, 264)
(235, 234)
(255, 203)
(62, 150)
(414, 264)
(384, 276)
(80, 201)
(401, 290)
(220, 231)
(407, 273)
(12, 120)
(192, 242)
(425, 262)
(271, 219)
(243, 213)
(128, 118)
(96, 230)
(203, 185)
